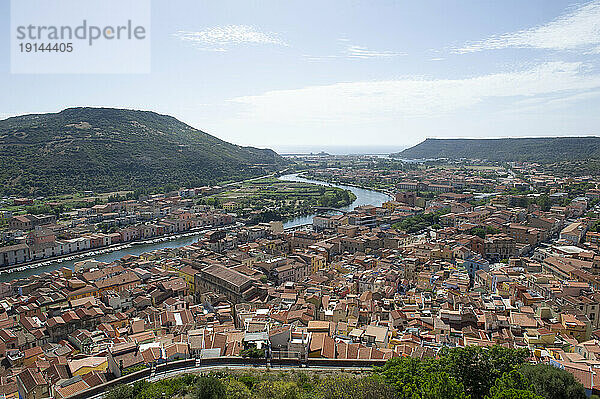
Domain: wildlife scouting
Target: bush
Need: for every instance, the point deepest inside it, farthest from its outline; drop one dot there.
(133, 369)
(344, 387)
(236, 389)
(121, 392)
(277, 389)
(209, 388)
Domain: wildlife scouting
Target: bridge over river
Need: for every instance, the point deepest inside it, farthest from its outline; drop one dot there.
(326, 209)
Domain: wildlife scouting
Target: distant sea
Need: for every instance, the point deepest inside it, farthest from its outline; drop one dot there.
(338, 149)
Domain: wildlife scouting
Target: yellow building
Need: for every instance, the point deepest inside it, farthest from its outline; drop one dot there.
(187, 273)
(392, 205)
(573, 327)
(84, 292)
(540, 337)
(317, 262)
(88, 364)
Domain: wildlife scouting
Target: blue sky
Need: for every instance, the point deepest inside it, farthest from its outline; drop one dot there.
(383, 73)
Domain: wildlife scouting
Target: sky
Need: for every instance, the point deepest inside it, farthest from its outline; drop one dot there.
(386, 74)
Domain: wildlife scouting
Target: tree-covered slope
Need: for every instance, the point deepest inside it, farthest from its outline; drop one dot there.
(106, 149)
(543, 149)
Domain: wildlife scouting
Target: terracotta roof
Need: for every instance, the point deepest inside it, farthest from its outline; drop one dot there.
(30, 379)
(71, 389)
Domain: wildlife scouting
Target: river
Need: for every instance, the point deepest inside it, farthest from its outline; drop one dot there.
(363, 197)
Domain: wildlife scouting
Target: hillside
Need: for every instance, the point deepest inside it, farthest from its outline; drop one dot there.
(543, 149)
(105, 149)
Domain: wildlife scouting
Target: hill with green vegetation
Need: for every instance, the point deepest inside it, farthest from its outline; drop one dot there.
(106, 149)
(542, 149)
(458, 373)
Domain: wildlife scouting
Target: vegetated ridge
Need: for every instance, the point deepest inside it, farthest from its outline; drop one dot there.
(538, 149)
(106, 149)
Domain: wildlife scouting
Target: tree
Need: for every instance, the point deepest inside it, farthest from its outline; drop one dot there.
(515, 394)
(544, 202)
(512, 385)
(253, 353)
(403, 374)
(505, 360)
(414, 379)
(552, 383)
(483, 231)
(442, 385)
(478, 231)
(419, 222)
(478, 368)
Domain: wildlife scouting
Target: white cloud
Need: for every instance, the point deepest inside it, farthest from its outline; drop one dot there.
(221, 38)
(364, 53)
(352, 51)
(553, 102)
(358, 102)
(576, 30)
